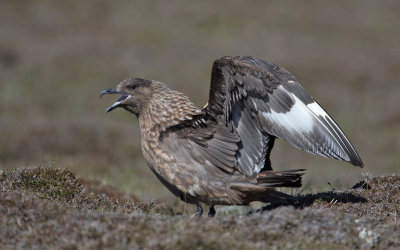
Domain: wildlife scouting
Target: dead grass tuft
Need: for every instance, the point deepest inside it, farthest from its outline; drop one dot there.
(60, 185)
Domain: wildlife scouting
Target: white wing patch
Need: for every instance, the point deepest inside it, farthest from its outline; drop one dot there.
(308, 127)
(299, 118)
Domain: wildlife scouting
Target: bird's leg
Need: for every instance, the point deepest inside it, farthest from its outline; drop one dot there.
(199, 211)
(270, 145)
(211, 212)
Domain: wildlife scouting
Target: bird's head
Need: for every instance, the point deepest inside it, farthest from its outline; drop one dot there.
(135, 95)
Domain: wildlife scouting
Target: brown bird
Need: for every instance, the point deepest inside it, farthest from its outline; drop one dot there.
(220, 154)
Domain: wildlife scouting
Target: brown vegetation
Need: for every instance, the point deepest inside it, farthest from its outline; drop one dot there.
(50, 207)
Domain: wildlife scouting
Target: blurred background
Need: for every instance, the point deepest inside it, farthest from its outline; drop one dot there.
(56, 57)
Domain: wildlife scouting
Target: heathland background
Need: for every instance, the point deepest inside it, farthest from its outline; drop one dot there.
(56, 57)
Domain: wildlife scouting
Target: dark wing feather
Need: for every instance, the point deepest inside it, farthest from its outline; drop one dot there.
(259, 100)
(214, 141)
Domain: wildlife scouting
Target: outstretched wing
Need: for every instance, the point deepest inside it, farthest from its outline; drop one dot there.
(259, 100)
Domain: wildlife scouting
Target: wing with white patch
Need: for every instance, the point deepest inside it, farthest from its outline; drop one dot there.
(261, 100)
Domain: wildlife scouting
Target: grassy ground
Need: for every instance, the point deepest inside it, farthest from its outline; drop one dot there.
(47, 207)
(56, 57)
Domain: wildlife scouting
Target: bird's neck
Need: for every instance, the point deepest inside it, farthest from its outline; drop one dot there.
(166, 109)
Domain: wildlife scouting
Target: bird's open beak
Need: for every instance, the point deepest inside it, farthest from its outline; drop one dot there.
(118, 102)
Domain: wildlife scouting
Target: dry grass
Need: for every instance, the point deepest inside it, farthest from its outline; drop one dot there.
(62, 186)
(44, 207)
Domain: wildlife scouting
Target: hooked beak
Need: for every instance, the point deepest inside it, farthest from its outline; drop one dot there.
(110, 91)
(118, 102)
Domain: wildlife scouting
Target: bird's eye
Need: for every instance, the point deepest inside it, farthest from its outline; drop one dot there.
(132, 87)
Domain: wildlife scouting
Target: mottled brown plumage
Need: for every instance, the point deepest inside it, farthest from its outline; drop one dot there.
(219, 155)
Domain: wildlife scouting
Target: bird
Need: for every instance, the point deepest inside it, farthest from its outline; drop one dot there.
(220, 154)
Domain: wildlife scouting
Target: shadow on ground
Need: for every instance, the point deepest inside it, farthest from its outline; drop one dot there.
(332, 197)
(47, 207)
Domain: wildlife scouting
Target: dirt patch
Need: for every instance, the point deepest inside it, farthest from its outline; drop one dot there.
(41, 207)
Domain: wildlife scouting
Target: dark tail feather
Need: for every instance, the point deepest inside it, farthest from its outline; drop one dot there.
(264, 187)
(287, 178)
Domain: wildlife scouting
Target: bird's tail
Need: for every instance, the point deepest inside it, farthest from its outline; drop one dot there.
(263, 188)
(287, 178)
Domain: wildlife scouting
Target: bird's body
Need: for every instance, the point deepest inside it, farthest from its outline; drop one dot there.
(219, 155)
